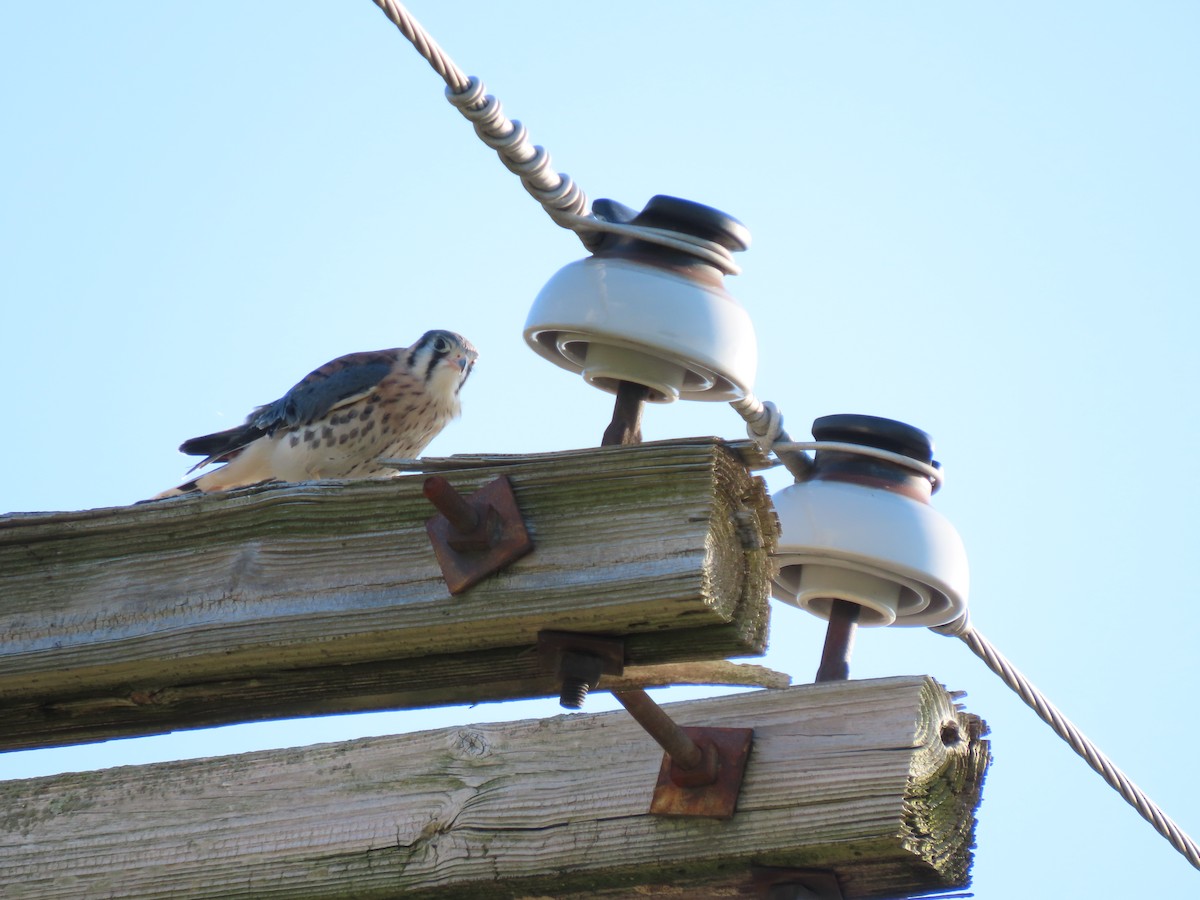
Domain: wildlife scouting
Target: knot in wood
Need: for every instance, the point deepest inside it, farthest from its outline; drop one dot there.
(468, 743)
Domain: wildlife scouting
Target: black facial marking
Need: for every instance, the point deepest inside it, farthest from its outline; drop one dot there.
(433, 361)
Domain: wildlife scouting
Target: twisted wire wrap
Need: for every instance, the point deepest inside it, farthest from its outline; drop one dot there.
(764, 425)
(961, 628)
(562, 199)
(932, 473)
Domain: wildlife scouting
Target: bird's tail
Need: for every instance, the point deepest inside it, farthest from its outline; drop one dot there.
(221, 446)
(219, 480)
(243, 467)
(190, 487)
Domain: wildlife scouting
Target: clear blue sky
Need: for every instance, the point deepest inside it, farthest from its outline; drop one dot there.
(976, 218)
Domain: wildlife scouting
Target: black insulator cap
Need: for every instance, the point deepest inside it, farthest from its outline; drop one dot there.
(873, 431)
(695, 218)
(612, 211)
(675, 214)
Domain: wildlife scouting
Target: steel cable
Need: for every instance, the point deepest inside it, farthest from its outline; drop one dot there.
(562, 199)
(764, 425)
(1065, 729)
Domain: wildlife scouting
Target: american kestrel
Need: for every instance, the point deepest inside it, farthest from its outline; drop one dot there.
(341, 418)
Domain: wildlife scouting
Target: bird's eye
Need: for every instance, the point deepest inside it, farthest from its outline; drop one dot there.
(441, 345)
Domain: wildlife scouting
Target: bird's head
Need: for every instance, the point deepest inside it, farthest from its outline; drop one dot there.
(444, 360)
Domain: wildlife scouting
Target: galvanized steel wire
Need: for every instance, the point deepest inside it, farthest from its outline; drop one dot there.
(562, 199)
(764, 425)
(1065, 729)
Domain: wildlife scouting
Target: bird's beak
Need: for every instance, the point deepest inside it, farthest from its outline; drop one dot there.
(465, 363)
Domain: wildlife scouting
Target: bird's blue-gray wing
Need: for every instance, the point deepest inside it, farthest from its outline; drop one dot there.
(333, 384)
(324, 389)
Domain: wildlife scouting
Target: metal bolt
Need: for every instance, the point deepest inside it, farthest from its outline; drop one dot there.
(451, 504)
(839, 641)
(692, 764)
(579, 672)
(574, 692)
(626, 425)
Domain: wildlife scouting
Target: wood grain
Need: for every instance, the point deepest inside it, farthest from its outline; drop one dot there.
(326, 596)
(876, 781)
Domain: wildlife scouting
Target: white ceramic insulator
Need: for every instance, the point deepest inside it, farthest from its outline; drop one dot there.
(899, 559)
(615, 320)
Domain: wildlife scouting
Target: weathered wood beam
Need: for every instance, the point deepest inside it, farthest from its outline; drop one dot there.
(321, 597)
(874, 781)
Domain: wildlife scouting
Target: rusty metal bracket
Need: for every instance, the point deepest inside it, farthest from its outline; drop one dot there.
(474, 536)
(702, 771)
(718, 778)
(772, 883)
(702, 768)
